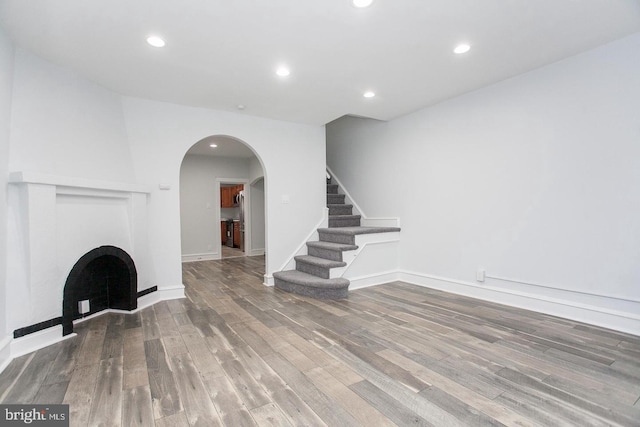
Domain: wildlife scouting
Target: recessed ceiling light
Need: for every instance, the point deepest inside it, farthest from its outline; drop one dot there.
(213, 145)
(155, 41)
(462, 48)
(361, 3)
(283, 71)
(369, 94)
(240, 107)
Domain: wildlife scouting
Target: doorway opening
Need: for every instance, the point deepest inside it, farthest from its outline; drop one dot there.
(233, 203)
(222, 201)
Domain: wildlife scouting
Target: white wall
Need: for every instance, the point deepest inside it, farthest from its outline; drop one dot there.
(200, 202)
(293, 157)
(61, 125)
(534, 179)
(257, 207)
(255, 169)
(257, 216)
(65, 125)
(6, 82)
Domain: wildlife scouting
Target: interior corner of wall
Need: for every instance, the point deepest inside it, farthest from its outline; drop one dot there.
(5, 351)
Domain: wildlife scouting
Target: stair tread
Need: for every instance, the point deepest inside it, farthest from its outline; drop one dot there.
(304, 279)
(345, 216)
(354, 231)
(320, 262)
(333, 246)
(339, 205)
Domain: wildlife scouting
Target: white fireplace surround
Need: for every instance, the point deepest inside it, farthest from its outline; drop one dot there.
(54, 221)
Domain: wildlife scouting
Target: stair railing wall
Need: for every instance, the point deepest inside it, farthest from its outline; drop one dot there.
(290, 264)
(365, 220)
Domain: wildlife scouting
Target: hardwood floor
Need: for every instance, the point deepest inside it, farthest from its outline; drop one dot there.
(228, 252)
(236, 353)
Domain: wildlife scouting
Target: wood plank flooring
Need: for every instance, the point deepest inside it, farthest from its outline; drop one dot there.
(237, 353)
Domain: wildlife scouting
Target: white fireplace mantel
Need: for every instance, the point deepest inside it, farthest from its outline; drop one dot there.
(54, 221)
(26, 177)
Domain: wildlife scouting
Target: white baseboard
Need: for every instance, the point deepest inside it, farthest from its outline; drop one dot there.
(531, 299)
(372, 280)
(10, 348)
(163, 294)
(268, 280)
(209, 256)
(256, 252)
(37, 340)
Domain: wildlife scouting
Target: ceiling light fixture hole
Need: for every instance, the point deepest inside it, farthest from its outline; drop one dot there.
(155, 41)
(462, 48)
(283, 71)
(361, 3)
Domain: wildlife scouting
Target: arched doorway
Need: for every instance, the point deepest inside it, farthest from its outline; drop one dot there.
(213, 169)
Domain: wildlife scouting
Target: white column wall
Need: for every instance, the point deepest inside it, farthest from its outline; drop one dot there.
(257, 216)
(6, 84)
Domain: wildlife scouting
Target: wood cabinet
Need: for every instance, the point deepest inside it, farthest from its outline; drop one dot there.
(236, 234)
(228, 193)
(223, 232)
(226, 197)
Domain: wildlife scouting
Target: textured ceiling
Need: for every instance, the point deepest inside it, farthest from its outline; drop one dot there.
(222, 53)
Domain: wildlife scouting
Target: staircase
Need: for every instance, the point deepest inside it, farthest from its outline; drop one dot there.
(318, 274)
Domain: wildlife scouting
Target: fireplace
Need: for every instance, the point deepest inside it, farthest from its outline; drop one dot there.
(75, 239)
(106, 277)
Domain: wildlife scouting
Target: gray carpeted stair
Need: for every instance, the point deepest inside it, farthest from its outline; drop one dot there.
(347, 235)
(335, 199)
(339, 209)
(317, 266)
(305, 284)
(344, 220)
(329, 250)
(312, 274)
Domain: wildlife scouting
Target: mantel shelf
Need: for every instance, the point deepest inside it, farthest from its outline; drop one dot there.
(25, 177)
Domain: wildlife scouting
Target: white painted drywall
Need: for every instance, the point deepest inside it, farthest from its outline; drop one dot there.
(6, 83)
(200, 201)
(534, 178)
(257, 216)
(255, 169)
(63, 124)
(292, 155)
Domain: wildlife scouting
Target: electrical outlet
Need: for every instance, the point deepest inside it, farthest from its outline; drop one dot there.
(480, 275)
(83, 306)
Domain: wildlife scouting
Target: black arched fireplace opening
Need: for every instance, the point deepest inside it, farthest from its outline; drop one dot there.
(107, 277)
